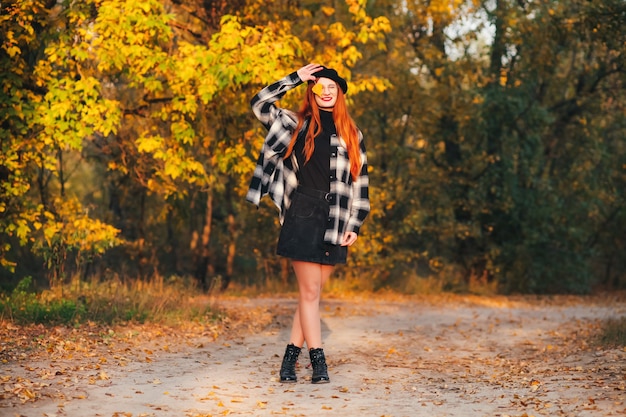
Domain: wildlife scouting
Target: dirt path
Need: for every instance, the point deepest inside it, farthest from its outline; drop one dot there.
(457, 357)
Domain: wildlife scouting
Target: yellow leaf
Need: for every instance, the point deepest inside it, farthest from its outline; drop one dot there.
(534, 385)
(28, 394)
(13, 50)
(317, 89)
(328, 11)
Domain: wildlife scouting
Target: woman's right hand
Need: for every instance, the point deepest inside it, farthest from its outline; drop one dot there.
(306, 72)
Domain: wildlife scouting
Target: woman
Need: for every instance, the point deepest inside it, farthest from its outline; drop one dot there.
(313, 165)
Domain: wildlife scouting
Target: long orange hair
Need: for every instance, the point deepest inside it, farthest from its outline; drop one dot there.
(346, 129)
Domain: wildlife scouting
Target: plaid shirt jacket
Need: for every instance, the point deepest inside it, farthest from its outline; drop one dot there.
(276, 176)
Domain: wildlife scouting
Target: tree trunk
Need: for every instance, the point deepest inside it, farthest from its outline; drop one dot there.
(202, 250)
(232, 250)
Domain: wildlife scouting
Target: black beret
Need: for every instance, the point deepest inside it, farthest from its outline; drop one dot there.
(332, 74)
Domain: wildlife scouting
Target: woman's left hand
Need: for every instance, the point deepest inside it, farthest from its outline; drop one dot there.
(348, 239)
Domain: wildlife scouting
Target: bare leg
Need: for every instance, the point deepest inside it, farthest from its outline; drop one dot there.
(306, 321)
(297, 335)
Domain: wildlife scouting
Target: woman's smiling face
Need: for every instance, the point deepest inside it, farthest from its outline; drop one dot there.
(327, 96)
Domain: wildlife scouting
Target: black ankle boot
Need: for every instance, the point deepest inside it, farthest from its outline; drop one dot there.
(320, 370)
(288, 368)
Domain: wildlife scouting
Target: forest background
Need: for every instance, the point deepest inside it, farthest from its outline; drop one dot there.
(495, 134)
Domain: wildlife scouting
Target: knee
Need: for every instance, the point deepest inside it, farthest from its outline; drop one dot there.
(310, 293)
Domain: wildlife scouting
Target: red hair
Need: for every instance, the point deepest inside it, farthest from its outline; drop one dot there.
(346, 129)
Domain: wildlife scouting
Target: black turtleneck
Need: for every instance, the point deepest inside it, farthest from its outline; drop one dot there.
(316, 172)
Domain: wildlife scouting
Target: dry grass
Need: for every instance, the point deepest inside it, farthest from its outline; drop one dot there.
(613, 333)
(160, 301)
